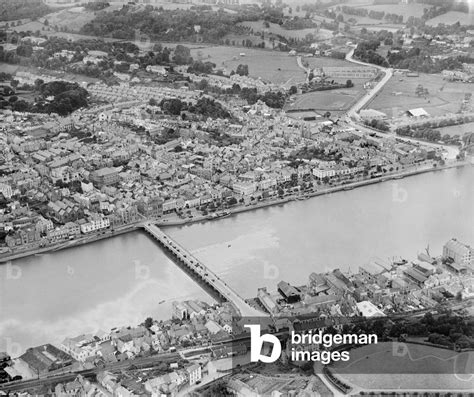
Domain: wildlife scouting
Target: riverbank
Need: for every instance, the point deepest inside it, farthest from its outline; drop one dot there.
(72, 243)
(305, 196)
(231, 211)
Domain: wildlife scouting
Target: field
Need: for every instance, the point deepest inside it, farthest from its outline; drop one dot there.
(457, 129)
(387, 366)
(398, 95)
(413, 9)
(452, 17)
(382, 26)
(275, 29)
(333, 100)
(319, 62)
(272, 66)
(32, 25)
(73, 18)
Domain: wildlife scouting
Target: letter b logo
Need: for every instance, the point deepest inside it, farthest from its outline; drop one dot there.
(256, 344)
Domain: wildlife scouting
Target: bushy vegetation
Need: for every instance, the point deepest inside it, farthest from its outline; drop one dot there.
(194, 24)
(272, 99)
(96, 5)
(416, 58)
(377, 124)
(204, 107)
(421, 61)
(446, 329)
(366, 52)
(198, 67)
(427, 130)
(297, 23)
(11, 10)
(59, 97)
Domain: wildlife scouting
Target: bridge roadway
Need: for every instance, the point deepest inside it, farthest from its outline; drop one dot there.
(201, 271)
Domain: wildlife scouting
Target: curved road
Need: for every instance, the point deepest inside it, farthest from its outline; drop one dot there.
(352, 112)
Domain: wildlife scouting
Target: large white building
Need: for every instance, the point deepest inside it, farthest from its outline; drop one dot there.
(194, 373)
(244, 188)
(331, 172)
(458, 252)
(94, 225)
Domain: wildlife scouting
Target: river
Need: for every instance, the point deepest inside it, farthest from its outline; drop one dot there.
(121, 281)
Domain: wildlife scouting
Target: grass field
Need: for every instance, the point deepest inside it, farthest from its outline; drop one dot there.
(32, 25)
(452, 17)
(413, 9)
(334, 100)
(398, 95)
(418, 367)
(272, 66)
(457, 129)
(74, 18)
(315, 62)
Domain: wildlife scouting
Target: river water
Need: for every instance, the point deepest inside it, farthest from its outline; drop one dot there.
(121, 281)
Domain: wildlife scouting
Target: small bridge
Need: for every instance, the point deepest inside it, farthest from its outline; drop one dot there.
(202, 273)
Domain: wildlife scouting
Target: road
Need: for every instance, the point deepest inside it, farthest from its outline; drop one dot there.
(388, 73)
(352, 113)
(300, 64)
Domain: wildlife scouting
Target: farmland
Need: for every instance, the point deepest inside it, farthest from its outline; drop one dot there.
(460, 129)
(334, 100)
(407, 10)
(271, 66)
(72, 18)
(398, 95)
(452, 17)
(387, 366)
(275, 29)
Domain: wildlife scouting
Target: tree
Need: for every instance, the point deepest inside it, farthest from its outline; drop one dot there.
(419, 90)
(349, 83)
(293, 90)
(172, 106)
(182, 55)
(38, 84)
(148, 322)
(24, 50)
(242, 70)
